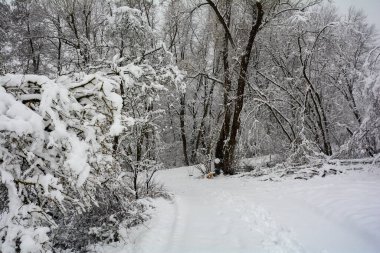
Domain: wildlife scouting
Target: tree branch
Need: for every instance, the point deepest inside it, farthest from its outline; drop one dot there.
(222, 21)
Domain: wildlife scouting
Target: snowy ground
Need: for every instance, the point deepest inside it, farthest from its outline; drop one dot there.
(336, 214)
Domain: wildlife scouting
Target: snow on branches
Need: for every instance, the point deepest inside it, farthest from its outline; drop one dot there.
(56, 144)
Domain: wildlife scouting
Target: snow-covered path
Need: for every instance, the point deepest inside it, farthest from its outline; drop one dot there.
(338, 214)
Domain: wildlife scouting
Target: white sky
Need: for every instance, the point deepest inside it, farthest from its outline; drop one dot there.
(370, 7)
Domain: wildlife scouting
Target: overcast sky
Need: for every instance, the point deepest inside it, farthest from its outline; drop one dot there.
(370, 7)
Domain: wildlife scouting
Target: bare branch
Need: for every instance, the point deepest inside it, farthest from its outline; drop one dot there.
(222, 21)
(207, 76)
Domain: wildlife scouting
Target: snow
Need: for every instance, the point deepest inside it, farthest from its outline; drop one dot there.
(259, 161)
(16, 117)
(117, 102)
(32, 239)
(299, 17)
(136, 71)
(243, 214)
(14, 201)
(77, 159)
(17, 80)
(126, 9)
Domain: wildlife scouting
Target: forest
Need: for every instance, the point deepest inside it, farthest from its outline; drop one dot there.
(97, 97)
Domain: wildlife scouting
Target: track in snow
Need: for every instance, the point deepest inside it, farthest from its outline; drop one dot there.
(241, 215)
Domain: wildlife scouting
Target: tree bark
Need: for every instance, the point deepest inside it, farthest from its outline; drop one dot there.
(182, 114)
(225, 130)
(228, 167)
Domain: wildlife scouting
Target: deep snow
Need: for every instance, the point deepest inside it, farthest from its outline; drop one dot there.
(336, 214)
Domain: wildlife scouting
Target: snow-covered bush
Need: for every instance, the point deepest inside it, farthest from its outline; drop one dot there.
(55, 150)
(365, 141)
(303, 151)
(78, 151)
(60, 154)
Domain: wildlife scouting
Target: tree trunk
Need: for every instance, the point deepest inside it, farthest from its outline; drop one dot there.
(229, 154)
(59, 49)
(183, 131)
(225, 130)
(34, 55)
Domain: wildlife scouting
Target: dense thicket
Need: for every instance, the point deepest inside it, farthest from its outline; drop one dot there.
(79, 142)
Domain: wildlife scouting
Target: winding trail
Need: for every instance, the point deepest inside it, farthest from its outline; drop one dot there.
(244, 215)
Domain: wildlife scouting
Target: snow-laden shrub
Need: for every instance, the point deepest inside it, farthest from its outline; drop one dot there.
(77, 151)
(55, 153)
(60, 155)
(366, 140)
(303, 151)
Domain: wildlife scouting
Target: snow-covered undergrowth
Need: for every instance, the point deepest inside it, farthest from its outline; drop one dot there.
(331, 214)
(65, 174)
(78, 150)
(262, 168)
(56, 160)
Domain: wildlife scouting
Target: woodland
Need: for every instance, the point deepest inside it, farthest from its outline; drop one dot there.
(97, 96)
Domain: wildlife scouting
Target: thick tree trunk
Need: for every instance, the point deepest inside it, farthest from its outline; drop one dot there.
(229, 154)
(225, 130)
